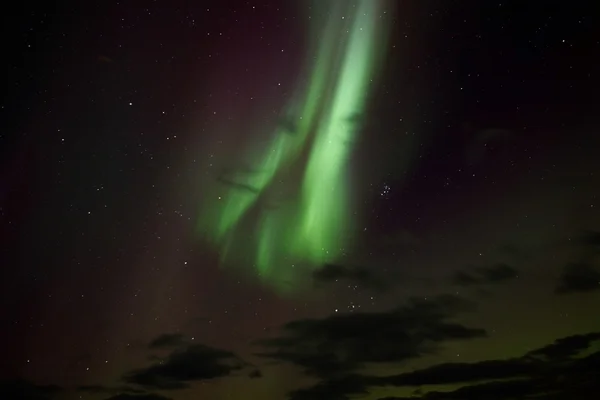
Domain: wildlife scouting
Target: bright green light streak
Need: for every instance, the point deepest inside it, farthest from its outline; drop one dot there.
(314, 227)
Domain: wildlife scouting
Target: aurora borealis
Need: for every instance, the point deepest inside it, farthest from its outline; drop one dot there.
(313, 224)
(300, 200)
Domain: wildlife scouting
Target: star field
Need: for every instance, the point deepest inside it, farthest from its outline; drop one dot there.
(472, 202)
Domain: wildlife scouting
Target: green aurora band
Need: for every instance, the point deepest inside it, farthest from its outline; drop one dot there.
(310, 151)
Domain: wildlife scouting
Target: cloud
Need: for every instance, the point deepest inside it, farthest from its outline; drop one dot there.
(190, 364)
(495, 274)
(565, 348)
(337, 348)
(498, 273)
(591, 239)
(20, 389)
(516, 253)
(167, 340)
(578, 278)
(363, 277)
(558, 371)
(101, 389)
(333, 389)
(147, 396)
(94, 389)
(255, 374)
(342, 343)
(486, 141)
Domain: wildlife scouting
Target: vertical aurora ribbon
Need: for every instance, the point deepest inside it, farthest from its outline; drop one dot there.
(292, 208)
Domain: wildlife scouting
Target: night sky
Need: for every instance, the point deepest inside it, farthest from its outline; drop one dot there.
(472, 199)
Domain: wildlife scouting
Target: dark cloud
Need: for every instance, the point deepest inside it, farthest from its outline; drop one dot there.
(193, 363)
(572, 378)
(363, 277)
(558, 371)
(459, 372)
(101, 389)
(334, 389)
(565, 348)
(146, 396)
(463, 278)
(516, 253)
(591, 239)
(20, 389)
(578, 278)
(498, 273)
(255, 374)
(342, 343)
(238, 185)
(167, 340)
